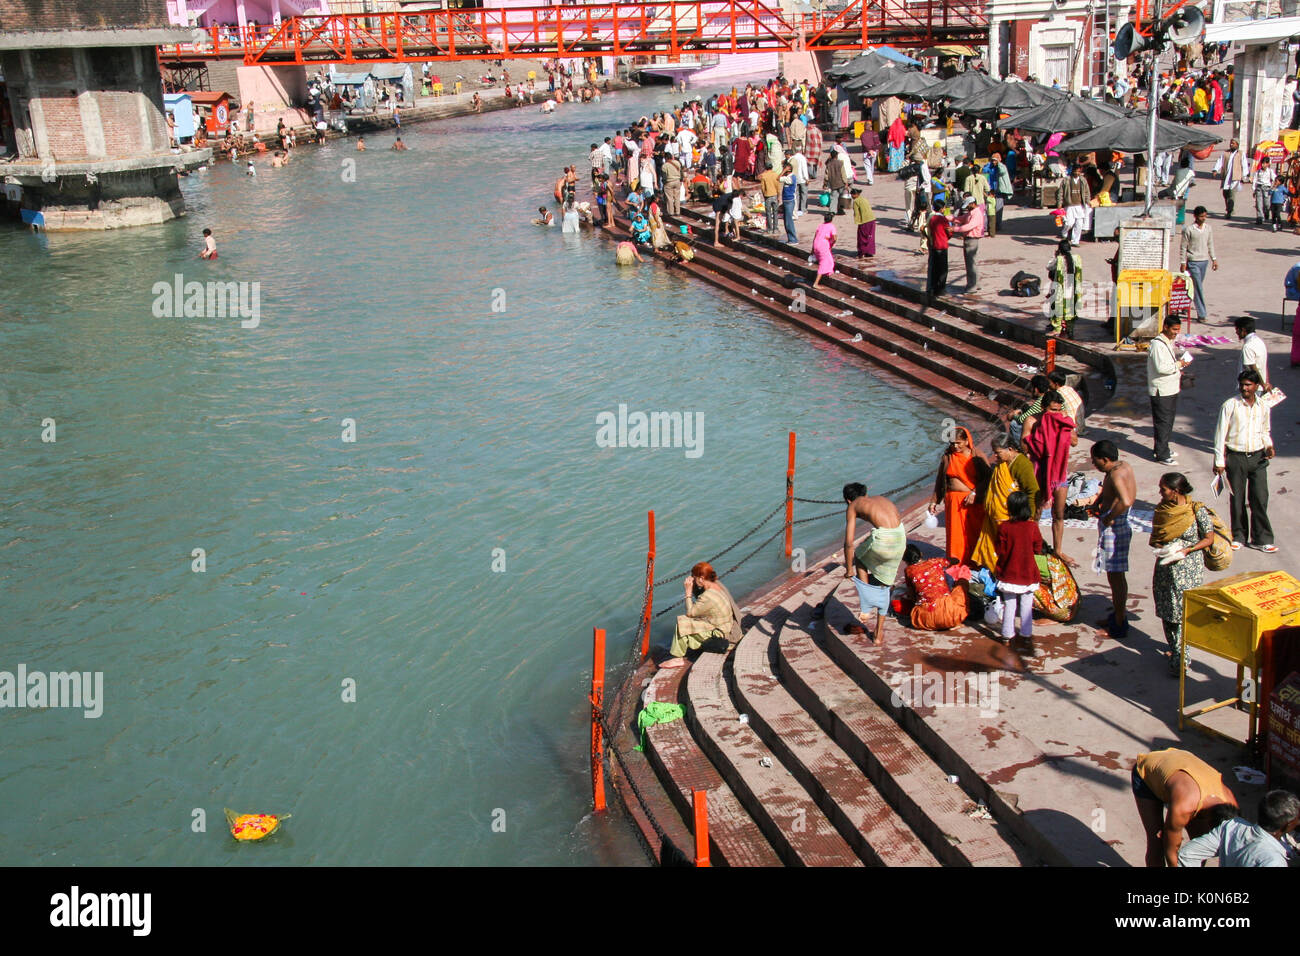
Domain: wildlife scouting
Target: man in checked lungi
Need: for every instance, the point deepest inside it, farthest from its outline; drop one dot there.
(1118, 491)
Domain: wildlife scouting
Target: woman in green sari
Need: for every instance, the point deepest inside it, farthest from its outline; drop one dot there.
(1066, 274)
(1012, 471)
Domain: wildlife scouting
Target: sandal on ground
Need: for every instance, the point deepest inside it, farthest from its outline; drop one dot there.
(1268, 548)
(1237, 545)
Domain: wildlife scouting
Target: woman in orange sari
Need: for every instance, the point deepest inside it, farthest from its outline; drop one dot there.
(962, 475)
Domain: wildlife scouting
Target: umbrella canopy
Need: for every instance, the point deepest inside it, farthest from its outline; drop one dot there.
(964, 84)
(1007, 96)
(1070, 114)
(1129, 135)
(869, 62)
(903, 83)
(874, 74)
(889, 53)
(948, 49)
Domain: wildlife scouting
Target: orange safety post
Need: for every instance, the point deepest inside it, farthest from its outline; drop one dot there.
(649, 587)
(597, 730)
(701, 800)
(1049, 364)
(789, 499)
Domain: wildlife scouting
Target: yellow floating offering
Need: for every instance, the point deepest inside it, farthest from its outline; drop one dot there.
(253, 826)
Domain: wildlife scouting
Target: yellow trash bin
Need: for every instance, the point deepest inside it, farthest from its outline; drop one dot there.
(1228, 619)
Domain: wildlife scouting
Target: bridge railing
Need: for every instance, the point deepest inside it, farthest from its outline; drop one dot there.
(618, 29)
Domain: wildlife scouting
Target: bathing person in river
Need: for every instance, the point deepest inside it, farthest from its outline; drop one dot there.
(398, 144)
(711, 621)
(874, 565)
(361, 144)
(544, 217)
(626, 253)
(209, 246)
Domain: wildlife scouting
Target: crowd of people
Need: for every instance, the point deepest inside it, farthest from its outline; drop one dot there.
(758, 157)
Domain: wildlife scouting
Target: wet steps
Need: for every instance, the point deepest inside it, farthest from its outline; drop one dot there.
(787, 815)
(734, 838)
(819, 319)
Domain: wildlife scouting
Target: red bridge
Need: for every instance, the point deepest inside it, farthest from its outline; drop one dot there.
(615, 29)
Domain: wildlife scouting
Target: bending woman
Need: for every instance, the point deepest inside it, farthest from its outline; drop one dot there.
(1011, 472)
(711, 616)
(963, 475)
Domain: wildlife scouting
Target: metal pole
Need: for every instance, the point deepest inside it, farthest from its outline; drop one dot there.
(597, 731)
(700, 799)
(789, 499)
(1153, 111)
(649, 585)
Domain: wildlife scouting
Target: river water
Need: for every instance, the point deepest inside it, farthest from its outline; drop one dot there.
(370, 569)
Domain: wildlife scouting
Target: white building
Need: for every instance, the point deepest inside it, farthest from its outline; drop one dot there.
(1055, 41)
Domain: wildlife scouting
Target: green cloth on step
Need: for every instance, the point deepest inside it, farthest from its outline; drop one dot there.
(657, 712)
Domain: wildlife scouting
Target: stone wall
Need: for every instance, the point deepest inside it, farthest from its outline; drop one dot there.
(76, 104)
(16, 15)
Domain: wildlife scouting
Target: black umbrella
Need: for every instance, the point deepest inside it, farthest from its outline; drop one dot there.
(1070, 114)
(964, 84)
(1007, 96)
(868, 62)
(903, 83)
(1131, 135)
(860, 81)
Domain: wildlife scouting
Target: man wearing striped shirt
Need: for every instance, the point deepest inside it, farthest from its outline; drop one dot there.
(1243, 445)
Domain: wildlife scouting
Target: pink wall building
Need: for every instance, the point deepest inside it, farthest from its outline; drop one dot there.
(208, 12)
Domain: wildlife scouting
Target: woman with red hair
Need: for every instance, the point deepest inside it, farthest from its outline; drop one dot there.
(711, 621)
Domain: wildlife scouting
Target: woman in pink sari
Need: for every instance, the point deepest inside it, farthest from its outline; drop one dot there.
(744, 157)
(1216, 101)
(822, 242)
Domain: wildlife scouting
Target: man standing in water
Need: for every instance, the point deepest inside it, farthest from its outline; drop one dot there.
(209, 246)
(874, 565)
(1118, 492)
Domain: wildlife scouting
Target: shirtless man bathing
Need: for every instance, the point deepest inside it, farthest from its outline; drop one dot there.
(1118, 491)
(874, 565)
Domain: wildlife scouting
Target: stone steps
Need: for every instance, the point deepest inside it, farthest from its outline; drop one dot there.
(919, 335)
(774, 298)
(789, 818)
(734, 838)
(878, 328)
(861, 815)
(848, 646)
(895, 764)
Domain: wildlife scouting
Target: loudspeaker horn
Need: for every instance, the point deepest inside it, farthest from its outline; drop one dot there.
(1128, 41)
(1185, 26)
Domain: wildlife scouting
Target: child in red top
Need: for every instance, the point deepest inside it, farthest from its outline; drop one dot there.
(1018, 577)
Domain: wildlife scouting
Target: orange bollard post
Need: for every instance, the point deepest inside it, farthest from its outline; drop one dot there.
(789, 500)
(1049, 363)
(649, 586)
(701, 801)
(597, 730)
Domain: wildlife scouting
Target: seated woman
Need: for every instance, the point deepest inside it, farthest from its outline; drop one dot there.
(940, 599)
(640, 229)
(711, 621)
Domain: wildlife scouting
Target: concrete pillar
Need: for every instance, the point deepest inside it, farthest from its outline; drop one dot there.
(92, 125)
